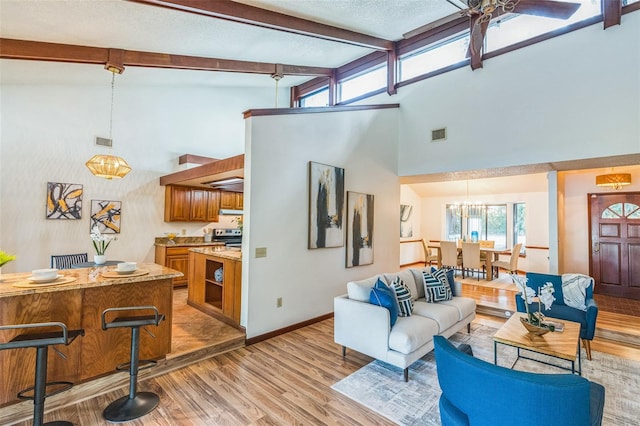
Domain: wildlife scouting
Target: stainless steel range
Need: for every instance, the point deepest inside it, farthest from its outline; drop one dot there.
(230, 237)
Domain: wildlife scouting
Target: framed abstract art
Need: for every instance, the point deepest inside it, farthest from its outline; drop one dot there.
(106, 214)
(326, 206)
(359, 229)
(64, 200)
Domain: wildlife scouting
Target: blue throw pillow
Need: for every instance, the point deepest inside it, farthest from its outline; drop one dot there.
(382, 295)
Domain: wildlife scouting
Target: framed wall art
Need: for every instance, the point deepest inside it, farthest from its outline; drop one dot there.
(64, 200)
(406, 221)
(106, 215)
(359, 229)
(326, 206)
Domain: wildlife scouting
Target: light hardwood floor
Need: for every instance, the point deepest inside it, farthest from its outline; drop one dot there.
(284, 380)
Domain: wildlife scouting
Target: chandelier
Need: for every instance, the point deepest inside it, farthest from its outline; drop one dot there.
(614, 180)
(468, 208)
(487, 7)
(104, 165)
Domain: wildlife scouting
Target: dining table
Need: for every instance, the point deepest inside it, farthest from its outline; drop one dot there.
(491, 254)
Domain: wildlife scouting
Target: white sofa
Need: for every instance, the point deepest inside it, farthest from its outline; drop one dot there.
(365, 327)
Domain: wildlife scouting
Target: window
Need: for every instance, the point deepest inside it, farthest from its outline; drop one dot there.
(361, 84)
(514, 28)
(621, 210)
(316, 99)
(496, 225)
(454, 222)
(519, 225)
(434, 57)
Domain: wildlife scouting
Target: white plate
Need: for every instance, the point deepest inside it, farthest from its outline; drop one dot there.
(126, 272)
(44, 280)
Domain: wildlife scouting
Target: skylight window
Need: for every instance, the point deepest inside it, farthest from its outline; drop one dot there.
(515, 28)
(434, 57)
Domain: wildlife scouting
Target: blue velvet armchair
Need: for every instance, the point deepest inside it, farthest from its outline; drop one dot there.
(475, 392)
(587, 319)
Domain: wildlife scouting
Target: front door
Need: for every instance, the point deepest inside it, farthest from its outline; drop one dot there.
(615, 243)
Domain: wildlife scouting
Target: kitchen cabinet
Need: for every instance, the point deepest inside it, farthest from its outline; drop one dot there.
(188, 204)
(216, 283)
(177, 203)
(231, 200)
(175, 258)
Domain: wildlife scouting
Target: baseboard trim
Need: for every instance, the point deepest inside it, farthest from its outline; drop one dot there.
(287, 329)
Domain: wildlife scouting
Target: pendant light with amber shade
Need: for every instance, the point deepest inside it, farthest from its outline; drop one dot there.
(105, 165)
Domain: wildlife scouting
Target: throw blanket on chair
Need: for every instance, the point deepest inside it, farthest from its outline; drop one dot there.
(574, 289)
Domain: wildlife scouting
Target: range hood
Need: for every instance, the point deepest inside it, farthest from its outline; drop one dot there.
(231, 212)
(211, 174)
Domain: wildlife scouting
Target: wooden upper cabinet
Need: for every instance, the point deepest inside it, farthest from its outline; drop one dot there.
(199, 210)
(188, 204)
(213, 205)
(231, 200)
(227, 200)
(177, 203)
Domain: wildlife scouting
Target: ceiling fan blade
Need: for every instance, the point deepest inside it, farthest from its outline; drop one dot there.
(547, 8)
(479, 27)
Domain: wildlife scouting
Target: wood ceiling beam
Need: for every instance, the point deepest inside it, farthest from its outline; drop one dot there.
(251, 15)
(41, 51)
(612, 12)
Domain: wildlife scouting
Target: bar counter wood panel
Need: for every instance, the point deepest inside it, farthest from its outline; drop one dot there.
(80, 305)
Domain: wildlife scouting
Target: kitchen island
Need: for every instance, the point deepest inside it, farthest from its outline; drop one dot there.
(215, 287)
(78, 301)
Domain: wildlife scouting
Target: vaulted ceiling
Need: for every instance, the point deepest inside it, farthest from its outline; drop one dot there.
(344, 30)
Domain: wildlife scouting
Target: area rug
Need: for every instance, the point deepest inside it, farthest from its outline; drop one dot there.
(380, 387)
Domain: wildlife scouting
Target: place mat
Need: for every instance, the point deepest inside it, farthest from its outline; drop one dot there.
(31, 284)
(113, 274)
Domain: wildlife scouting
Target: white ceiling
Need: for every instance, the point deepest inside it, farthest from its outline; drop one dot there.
(127, 25)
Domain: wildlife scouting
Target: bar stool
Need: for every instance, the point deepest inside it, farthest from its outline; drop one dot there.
(136, 404)
(41, 342)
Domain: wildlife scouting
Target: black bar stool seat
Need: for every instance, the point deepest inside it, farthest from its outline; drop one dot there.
(41, 342)
(136, 404)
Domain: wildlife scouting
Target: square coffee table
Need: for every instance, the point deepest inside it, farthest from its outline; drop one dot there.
(563, 345)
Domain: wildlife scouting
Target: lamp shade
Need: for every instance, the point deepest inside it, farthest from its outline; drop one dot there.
(614, 180)
(108, 166)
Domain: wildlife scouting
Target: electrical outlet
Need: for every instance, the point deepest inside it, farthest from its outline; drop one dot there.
(261, 252)
(279, 302)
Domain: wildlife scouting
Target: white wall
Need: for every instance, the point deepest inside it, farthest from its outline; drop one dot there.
(574, 96)
(48, 133)
(412, 252)
(279, 149)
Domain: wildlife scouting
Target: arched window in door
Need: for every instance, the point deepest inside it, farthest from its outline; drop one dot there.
(620, 210)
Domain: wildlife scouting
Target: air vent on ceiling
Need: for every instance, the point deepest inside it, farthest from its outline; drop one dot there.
(103, 142)
(439, 134)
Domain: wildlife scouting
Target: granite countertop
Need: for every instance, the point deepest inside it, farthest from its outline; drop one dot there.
(84, 278)
(223, 253)
(184, 242)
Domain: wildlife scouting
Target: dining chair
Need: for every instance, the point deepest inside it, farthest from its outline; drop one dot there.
(485, 244)
(449, 254)
(471, 258)
(512, 265)
(64, 261)
(429, 255)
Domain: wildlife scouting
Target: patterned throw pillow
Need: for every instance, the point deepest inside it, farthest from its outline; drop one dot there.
(436, 289)
(405, 299)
